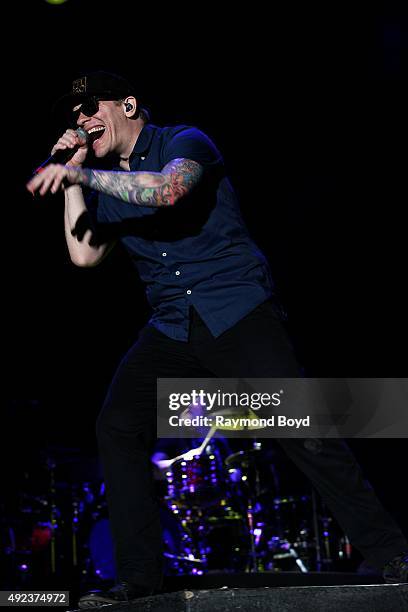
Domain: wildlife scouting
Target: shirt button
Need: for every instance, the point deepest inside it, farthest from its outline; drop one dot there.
(188, 291)
(177, 272)
(164, 254)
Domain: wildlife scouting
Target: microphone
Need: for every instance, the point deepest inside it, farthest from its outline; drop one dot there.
(63, 155)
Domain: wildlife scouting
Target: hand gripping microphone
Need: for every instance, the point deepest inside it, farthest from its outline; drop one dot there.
(63, 155)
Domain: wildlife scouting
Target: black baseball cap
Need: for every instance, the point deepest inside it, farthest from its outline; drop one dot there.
(101, 85)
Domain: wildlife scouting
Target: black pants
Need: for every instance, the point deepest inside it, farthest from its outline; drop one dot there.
(257, 346)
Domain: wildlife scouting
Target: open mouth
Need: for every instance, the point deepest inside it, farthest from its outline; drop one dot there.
(95, 133)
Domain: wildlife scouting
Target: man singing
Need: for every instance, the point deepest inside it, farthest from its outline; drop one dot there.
(167, 199)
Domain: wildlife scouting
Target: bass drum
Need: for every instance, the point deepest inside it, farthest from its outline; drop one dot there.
(100, 547)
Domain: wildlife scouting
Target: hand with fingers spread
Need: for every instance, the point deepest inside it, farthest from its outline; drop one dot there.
(54, 177)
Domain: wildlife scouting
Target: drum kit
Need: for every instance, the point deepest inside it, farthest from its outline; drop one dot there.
(233, 518)
(221, 511)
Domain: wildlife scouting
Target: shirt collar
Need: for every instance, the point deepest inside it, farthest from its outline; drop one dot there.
(144, 139)
(142, 145)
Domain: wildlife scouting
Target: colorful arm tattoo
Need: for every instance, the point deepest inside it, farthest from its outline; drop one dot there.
(153, 189)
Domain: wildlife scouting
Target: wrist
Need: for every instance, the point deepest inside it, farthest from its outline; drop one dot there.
(84, 176)
(72, 189)
(75, 175)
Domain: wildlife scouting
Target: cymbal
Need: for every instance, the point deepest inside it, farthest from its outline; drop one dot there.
(238, 413)
(244, 455)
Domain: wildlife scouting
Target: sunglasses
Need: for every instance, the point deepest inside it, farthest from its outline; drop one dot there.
(89, 107)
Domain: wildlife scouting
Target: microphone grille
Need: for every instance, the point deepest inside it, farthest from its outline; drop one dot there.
(82, 134)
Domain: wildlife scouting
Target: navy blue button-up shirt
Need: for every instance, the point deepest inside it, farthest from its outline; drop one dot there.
(196, 252)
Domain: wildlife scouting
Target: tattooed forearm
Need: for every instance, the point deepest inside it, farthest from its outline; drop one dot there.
(146, 188)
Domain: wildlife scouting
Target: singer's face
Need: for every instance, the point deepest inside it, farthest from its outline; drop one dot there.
(106, 128)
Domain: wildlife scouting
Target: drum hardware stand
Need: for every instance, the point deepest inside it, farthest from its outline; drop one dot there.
(328, 559)
(249, 512)
(74, 529)
(316, 532)
(53, 516)
(326, 540)
(253, 555)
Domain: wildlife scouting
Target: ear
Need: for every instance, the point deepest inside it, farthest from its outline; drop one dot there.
(130, 106)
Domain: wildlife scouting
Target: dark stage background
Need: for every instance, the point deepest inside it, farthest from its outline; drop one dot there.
(308, 106)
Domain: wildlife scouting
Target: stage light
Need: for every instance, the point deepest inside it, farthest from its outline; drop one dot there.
(55, 1)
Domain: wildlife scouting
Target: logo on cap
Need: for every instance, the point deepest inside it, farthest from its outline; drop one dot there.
(79, 86)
